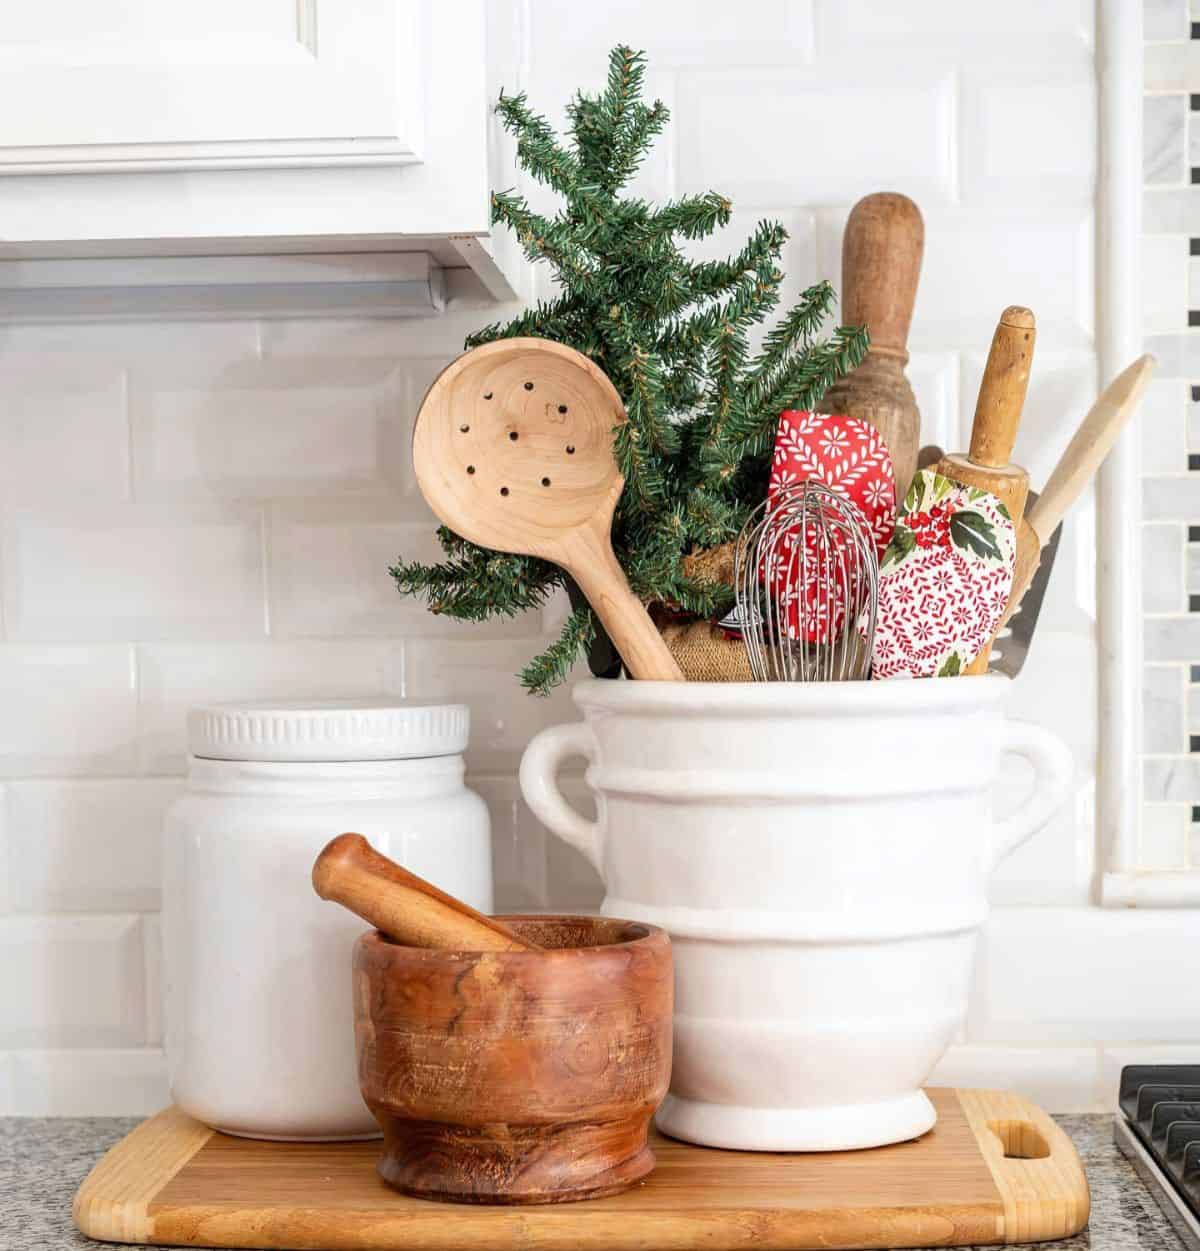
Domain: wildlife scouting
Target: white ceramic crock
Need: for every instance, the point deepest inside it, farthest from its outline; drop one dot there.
(820, 856)
(259, 994)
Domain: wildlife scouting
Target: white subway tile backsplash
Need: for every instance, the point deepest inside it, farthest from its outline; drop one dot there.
(674, 33)
(152, 965)
(1164, 121)
(66, 710)
(519, 845)
(966, 28)
(329, 571)
(1045, 264)
(79, 1082)
(166, 345)
(738, 131)
(934, 380)
(1058, 975)
(64, 433)
(1023, 127)
(85, 845)
(176, 676)
(1162, 708)
(71, 982)
(1162, 568)
(483, 674)
(134, 572)
(1060, 1079)
(266, 427)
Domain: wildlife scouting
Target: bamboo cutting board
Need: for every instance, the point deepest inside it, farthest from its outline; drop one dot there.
(994, 1169)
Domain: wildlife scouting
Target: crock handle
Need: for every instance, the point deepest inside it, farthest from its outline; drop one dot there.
(539, 784)
(1053, 769)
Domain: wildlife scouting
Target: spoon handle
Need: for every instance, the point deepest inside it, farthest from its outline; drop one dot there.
(590, 561)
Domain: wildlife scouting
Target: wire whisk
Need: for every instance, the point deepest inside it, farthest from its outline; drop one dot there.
(806, 578)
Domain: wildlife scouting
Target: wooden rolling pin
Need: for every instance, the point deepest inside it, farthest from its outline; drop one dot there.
(881, 266)
(1077, 466)
(994, 430)
(403, 906)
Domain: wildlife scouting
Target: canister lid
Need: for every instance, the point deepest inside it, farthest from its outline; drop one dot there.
(328, 731)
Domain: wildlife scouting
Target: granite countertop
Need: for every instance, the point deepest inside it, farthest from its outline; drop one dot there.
(44, 1160)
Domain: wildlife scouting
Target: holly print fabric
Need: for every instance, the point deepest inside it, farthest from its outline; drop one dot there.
(944, 580)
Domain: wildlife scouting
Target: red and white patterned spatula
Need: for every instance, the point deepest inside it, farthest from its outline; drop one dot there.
(850, 456)
(943, 581)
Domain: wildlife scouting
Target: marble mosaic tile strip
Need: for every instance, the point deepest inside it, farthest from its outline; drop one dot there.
(1170, 210)
(1162, 568)
(1164, 124)
(1163, 690)
(1178, 354)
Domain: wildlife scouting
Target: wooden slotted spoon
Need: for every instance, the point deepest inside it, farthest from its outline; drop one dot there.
(513, 450)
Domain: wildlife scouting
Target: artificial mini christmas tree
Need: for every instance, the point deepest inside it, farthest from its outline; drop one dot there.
(673, 335)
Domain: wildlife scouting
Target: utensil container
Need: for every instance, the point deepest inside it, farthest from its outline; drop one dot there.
(819, 854)
(516, 1076)
(259, 1034)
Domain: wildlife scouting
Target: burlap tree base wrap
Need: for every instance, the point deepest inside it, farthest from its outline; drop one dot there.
(700, 649)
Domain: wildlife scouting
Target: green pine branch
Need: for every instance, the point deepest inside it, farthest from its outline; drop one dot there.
(673, 332)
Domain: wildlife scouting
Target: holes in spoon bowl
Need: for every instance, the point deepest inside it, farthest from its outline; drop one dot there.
(513, 435)
(570, 449)
(529, 386)
(504, 490)
(545, 482)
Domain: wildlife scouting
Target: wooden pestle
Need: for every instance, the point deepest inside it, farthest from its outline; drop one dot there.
(403, 906)
(994, 431)
(881, 266)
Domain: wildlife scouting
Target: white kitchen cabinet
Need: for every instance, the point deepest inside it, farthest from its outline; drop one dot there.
(163, 128)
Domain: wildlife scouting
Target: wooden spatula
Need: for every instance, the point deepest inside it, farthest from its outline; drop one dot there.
(403, 906)
(513, 449)
(994, 431)
(1078, 465)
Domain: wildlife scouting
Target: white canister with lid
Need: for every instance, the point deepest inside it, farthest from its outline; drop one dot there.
(259, 1014)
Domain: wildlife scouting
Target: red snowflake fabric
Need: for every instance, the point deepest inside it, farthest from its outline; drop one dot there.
(845, 453)
(849, 456)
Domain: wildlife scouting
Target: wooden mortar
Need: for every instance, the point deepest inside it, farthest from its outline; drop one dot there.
(516, 1076)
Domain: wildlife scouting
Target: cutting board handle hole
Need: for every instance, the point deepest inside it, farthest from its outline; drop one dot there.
(1020, 1140)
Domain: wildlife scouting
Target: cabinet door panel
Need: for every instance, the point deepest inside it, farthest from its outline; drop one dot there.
(110, 85)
